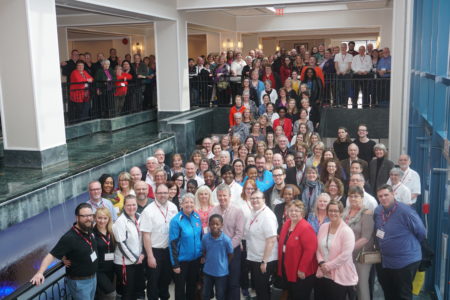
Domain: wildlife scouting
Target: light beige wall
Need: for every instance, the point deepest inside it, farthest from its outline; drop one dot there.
(269, 46)
(121, 48)
(92, 46)
(289, 44)
(197, 45)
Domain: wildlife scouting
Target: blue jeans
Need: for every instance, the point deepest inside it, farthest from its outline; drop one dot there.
(82, 289)
(219, 282)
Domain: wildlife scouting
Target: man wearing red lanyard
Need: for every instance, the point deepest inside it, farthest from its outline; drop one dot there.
(399, 232)
(79, 246)
(155, 222)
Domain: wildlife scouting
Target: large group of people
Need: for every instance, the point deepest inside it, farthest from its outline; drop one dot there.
(332, 76)
(260, 212)
(110, 86)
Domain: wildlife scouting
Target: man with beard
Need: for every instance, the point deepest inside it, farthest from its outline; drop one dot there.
(78, 246)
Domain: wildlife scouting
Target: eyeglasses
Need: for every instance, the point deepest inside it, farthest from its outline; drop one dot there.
(277, 175)
(162, 193)
(333, 211)
(93, 190)
(86, 216)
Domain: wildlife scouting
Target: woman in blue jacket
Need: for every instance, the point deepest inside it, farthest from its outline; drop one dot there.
(185, 248)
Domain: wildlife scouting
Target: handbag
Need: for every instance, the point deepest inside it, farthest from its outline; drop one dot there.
(369, 257)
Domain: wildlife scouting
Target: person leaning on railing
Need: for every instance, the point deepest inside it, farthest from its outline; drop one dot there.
(104, 83)
(80, 247)
(79, 92)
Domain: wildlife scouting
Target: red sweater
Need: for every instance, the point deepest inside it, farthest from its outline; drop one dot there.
(234, 110)
(285, 73)
(300, 250)
(287, 127)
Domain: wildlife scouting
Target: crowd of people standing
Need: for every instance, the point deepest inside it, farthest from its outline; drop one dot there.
(333, 76)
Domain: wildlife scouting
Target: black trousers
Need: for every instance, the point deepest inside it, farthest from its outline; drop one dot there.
(158, 279)
(327, 289)
(186, 281)
(245, 269)
(302, 288)
(262, 281)
(361, 83)
(397, 283)
(129, 290)
(105, 283)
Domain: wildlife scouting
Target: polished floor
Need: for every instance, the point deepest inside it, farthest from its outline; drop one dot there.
(84, 153)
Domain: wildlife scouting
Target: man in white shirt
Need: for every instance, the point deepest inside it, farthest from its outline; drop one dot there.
(369, 201)
(155, 222)
(207, 144)
(151, 164)
(361, 66)
(191, 173)
(342, 64)
(410, 178)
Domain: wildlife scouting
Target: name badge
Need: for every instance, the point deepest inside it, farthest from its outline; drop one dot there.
(205, 230)
(122, 84)
(86, 85)
(93, 256)
(380, 234)
(165, 229)
(284, 248)
(109, 256)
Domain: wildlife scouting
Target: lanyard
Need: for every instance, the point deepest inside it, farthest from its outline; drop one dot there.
(84, 238)
(160, 210)
(404, 176)
(256, 216)
(107, 241)
(385, 217)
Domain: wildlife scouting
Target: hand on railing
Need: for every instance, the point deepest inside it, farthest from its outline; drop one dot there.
(38, 279)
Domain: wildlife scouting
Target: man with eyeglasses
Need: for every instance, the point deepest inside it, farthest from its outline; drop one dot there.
(155, 222)
(80, 247)
(364, 144)
(369, 201)
(273, 195)
(96, 200)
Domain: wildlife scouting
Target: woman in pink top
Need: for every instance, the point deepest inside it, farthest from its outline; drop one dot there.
(336, 241)
(203, 205)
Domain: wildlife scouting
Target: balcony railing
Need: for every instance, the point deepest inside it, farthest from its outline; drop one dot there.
(85, 101)
(337, 90)
(53, 288)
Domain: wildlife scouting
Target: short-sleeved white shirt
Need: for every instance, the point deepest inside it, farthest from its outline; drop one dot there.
(261, 225)
(343, 62)
(402, 193)
(156, 219)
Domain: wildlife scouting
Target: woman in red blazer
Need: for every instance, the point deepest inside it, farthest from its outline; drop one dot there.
(297, 247)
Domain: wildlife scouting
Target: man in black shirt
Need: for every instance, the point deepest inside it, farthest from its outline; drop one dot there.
(67, 67)
(77, 245)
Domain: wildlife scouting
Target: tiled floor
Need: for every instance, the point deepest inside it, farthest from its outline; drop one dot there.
(84, 153)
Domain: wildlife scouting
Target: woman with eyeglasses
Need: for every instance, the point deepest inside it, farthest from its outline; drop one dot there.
(336, 241)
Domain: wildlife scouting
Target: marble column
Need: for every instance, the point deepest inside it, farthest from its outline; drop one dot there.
(172, 65)
(30, 96)
(400, 77)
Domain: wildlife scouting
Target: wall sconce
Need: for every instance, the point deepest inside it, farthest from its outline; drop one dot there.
(230, 44)
(137, 48)
(224, 44)
(378, 42)
(260, 46)
(239, 45)
(277, 48)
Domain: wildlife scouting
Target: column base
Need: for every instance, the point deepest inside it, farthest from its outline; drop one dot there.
(35, 159)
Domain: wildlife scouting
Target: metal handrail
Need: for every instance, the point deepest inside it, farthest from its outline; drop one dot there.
(50, 282)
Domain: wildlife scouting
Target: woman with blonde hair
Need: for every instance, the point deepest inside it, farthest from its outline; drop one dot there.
(125, 184)
(203, 204)
(105, 247)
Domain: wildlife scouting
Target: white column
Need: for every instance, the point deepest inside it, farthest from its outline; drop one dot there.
(64, 52)
(172, 65)
(400, 77)
(31, 97)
